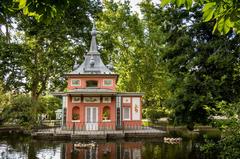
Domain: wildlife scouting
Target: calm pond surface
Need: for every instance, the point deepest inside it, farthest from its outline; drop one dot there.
(20, 147)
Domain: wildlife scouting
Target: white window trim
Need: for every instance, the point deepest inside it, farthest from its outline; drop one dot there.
(73, 101)
(128, 114)
(129, 100)
(75, 121)
(107, 85)
(104, 101)
(106, 120)
(76, 84)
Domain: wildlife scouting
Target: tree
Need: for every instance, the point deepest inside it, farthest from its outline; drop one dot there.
(49, 105)
(21, 111)
(223, 12)
(228, 146)
(43, 11)
(135, 47)
(45, 52)
(4, 98)
(10, 69)
(203, 65)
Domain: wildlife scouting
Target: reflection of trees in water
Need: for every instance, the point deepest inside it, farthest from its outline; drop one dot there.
(164, 150)
(14, 146)
(21, 147)
(32, 154)
(186, 150)
(151, 151)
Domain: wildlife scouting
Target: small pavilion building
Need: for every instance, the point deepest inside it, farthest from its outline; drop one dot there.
(91, 101)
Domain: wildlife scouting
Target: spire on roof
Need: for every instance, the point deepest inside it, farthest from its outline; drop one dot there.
(93, 47)
(92, 63)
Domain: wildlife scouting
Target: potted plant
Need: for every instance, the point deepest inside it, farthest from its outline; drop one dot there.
(75, 116)
(105, 115)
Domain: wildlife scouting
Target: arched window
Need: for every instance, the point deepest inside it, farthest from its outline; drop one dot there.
(106, 113)
(75, 113)
(92, 83)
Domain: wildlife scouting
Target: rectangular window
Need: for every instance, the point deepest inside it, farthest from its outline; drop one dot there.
(92, 84)
(126, 113)
(75, 82)
(107, 82)
(106, 100)
(76, 99)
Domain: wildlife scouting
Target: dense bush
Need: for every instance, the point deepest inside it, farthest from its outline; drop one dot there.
(228, 146)
(5, 99)
(49, 105)
(154, 113)
(22, 110)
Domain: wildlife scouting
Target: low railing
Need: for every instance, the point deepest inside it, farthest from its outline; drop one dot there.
(109, 126)
(104, 126)
(49, 123)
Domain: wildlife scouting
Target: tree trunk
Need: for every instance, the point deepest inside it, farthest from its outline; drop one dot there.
(7, 29)
(34, 90)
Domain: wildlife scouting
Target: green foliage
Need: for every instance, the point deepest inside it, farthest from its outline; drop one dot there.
(228, 145)
(224, 12)
(75, 117)
(11, 75)
(203, 66)
(135, 46)
(4, 98)
(48, 105)
(21, 111)
(36, 57)
(43, 10)
(154, 113)
(106, 114)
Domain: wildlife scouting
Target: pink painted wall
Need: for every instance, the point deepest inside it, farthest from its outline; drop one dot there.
(131, 123)
(110, 124)
(82, 106)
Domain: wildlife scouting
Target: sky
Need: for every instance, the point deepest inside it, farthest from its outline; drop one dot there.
(134, 4)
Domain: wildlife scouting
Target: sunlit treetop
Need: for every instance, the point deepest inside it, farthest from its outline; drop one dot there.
(225, 13)
(41, 10)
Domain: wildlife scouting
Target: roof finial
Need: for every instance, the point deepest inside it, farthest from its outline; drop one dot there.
(94, 30)
(110, 65)
(92, 61)
(75, 66)
(93, 47)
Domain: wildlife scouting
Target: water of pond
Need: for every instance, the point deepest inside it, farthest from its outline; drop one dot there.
(20, 147)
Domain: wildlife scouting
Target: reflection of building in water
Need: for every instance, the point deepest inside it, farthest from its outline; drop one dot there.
(131, 150)
(125, 150)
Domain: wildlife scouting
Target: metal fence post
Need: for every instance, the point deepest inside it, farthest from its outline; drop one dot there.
(104, 127)
(123, 127)
(74, 128)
